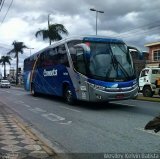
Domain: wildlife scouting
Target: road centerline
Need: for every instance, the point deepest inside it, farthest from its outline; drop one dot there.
(71, 109)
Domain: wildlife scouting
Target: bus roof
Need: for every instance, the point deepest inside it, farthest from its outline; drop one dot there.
(84, 38)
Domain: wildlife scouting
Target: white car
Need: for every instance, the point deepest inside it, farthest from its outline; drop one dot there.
(5, 84)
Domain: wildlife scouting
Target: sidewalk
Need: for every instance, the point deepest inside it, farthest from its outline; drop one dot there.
(16, 142)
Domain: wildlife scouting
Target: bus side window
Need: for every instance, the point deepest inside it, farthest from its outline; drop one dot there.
(62, 54)
(72, 51)
(73, 56)
(41, 60)
(80, 61)
(54, 56)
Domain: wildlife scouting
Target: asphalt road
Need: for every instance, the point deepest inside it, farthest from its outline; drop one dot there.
(87, 127)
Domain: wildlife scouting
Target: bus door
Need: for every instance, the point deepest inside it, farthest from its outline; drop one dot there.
(81, 68)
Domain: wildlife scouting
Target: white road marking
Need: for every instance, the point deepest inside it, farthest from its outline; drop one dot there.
(53, 117)
(37, 110)
(18, 94)
(20, 88)
(26, 105)
(148, 131)
(40, 110)
(34, 99)
(19, 102)
(67, 123)
(5, 91)
(71, 109)
(118, 103)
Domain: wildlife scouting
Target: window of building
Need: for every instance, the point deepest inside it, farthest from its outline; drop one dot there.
(156, 55)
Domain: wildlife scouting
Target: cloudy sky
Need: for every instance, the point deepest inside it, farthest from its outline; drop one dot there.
(137, 22)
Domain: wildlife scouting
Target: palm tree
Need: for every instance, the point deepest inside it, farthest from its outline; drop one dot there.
(53, 33)
(17, 48)
(3, 61)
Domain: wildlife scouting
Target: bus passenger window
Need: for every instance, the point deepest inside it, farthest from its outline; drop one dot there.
(72, 51)
(62, 54)
(80, 65)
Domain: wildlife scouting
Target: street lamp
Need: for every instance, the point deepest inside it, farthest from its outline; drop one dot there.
(97, 11)
(30, 50)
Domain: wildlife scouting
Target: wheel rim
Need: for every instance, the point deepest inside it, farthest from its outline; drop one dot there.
(32, 91)
(68, 96)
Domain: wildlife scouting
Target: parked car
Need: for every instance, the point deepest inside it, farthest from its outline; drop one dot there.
(5, 84)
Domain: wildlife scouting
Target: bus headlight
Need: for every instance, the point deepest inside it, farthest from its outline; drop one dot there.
(99, 87)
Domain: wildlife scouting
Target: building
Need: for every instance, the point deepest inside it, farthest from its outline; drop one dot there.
(12, 75)
(154, 54)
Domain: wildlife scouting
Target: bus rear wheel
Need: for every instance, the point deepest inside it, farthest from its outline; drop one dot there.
(68, 96)
(147, 92)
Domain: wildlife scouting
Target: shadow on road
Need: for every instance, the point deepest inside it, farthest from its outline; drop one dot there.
(86, 105)
(104, 106)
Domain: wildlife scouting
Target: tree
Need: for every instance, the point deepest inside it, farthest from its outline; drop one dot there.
(53, 33)
(3, 61)
(17, 48)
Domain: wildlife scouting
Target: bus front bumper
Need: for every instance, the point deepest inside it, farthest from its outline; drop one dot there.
(99, 95)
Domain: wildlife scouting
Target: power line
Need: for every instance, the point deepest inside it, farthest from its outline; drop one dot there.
(7, 12)
(2, 2)
(138, 32)
(150, 25)
(139, 29)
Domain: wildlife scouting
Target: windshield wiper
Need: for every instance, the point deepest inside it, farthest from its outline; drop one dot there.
(116, 63)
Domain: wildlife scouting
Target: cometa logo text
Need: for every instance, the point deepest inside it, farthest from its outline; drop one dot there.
(50, 73)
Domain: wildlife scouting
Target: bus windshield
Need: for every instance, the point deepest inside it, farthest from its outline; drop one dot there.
(110, 62)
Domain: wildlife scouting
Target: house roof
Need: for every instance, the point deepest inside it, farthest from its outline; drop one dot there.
(152, 44)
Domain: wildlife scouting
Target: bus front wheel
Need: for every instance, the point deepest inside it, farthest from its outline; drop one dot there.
(68, 96)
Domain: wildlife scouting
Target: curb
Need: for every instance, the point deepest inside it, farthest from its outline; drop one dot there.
(27, 130)
(150, 99)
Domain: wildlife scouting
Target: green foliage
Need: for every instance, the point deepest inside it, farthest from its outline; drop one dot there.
(17, 47)
(53, 33)
(5, 59)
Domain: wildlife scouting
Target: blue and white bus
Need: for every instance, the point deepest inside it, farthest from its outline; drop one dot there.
(88, 68)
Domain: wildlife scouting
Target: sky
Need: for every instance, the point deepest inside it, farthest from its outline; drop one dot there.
(137, 22)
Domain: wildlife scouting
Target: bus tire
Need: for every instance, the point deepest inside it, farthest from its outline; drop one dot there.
(33, 92)
(68, 96)
(147, 91)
